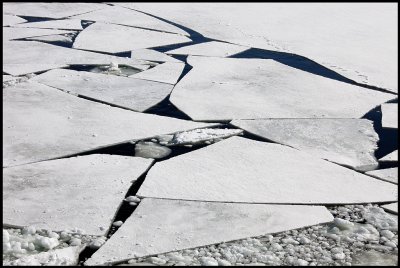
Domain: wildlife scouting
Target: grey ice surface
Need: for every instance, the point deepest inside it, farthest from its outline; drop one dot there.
(151, 150)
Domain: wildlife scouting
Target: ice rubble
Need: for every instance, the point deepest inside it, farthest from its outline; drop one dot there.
(349, 142)
(393, 207)
(41, 123)
(65, 24)
(135, 94)
(55, 194)
(115, 38)
(390, 115)
(25, 57)
(392, 157)
(168, 72)
(243, 170)
(151, 150)
(159, 226)
(129, 17)
(151, 55)
(211, 49)
(50, 10)
(11, 20)
(16, 33)
(228, 88)
(361, 44)
(202, 135)
(388, 174)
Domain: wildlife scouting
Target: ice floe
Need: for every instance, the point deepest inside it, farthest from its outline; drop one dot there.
(228, 88)
(22, 57)
(392, 157)
(66, 39)
(67, 24)
(41, 123)
(130, 93)
(388, 174)
(349, 142)
(159, 226)
(129, 17)
(82, 192)
(393, 207)
(390, 115)
(151, 150)
(50, 10)
(11, 20)
(115, 38)
(365, 35)
(211, 49)
(168, 72)
(10, 33)
(151, 55)
(243, 170)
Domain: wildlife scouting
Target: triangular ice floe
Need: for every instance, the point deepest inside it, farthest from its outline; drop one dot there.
(393, 207)
(10, 20)
(392, 157)
(159, 226)
(168, 72)
(10, 33)
(151, 55)
(67, 24)
(387, 174)
(243, 170)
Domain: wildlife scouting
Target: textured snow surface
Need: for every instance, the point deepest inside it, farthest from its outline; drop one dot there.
(390, 115)
(11, 20)
(159, 226)
(168, 72)
(41, 123)
(349, 142)
(115, 38)
(151, 55)
(365, 35)
(134, 94)
(393, 207)
(129, 17)
(67, 24)
(211, 49)
(388, 174)
(227, 88)
(10, 33)
(25, 57)
(242, 170)
(392, 157)
(82, 192)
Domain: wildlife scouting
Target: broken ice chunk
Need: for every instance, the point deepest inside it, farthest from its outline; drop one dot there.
(389, 115)
(392, 157)
(151, 150)
(201, 135)
(168, 72)
(151, 55)
(388, 174)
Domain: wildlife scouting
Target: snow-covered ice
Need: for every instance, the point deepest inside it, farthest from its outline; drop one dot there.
(10, 33)
(151, 55)
(243, 170)
(390, 115)
(115, 38)
(159, 226)
(135, 94)
(11, 20)
(228, 88)
(66, 24)
(40, 122)
(387, 174)
(82, 192)
(210, 49)
(392, 157)
(167, 72)
(349, 142)
(393, 207)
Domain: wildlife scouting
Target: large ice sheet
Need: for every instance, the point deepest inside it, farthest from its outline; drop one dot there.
(115, 38)
(151, 55)
(390, 115)
(130, 93)
(40, 122)
(50, 10)
(392, 157)
(168, 72)
(349, 142)
(68, 24)
(10, 20)
(213, 49)
(23, 57)
(82, 192)
(387, 174)
(159, 226)
(10, 33)
(357, 40)
(227, 88)
(393, 207)
(243, 170)
(129, 17)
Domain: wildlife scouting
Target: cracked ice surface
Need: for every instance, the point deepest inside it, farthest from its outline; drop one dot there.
(393, 207)
(168, 72)
(388, 174)
(390, 115)
(130, 93)
(392, 157)
(151, 55)
(41, 123)
(115, 38)
(67, 24)
(210, 49)
(242, 170)
(349, 142)
(227, 88)
(10, 20)
(16, 33)
(54, 194)
(159, 226)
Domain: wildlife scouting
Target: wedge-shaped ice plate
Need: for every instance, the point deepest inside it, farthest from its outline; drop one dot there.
(160, 226)
(83, 192)
(168, 72)
(151, 55)
(115, 38)
(228, 88)
(390, 115)
(67, 24)
(242, 170)
(210, 49)
(392, 157)
(387, 174)
(393, 207)
(10, 20)
(130, 93)
(40, 122)
(10, 33)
